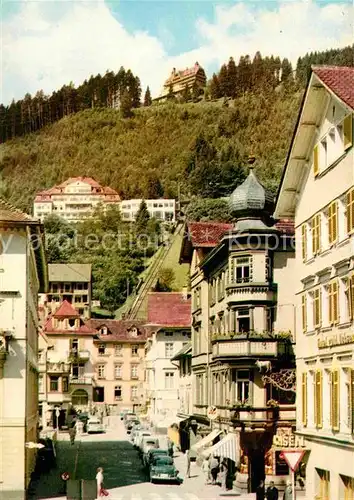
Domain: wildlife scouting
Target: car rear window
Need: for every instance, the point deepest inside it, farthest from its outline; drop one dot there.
(160, 460)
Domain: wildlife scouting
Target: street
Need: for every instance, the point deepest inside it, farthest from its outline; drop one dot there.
(124, 475)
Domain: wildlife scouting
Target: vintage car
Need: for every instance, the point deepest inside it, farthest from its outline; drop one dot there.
(148, 443)
(163, 469)
(139, 437)
(124, 412)
(151, 454)
(134, 432)
(131, 424)
(94, 425)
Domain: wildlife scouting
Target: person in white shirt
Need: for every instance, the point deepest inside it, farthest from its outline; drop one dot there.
(99, 481)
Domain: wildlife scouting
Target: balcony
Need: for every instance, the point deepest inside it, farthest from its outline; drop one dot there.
(58, 367)
(79, 355)
(251, 291)
(58, 397)
(226, 346)
(82, 380)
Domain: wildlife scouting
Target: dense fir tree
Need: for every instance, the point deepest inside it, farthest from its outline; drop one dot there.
(154, 187)
(215, 87)
(223, 81)
(231, 78)
(195, 91)
(186, 94)
(147, 97)
(286, 70)
(126, 105)
(142, 219)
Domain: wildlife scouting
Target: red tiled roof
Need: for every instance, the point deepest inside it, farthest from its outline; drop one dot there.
(43, 195)
(49, 329)
(339, 79)
(207, 234)
(169, 309)
(285, 226)
(8, 213)
(66, 310)
(120, 330)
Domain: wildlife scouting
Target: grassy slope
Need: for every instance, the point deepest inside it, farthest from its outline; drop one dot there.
(120, 152)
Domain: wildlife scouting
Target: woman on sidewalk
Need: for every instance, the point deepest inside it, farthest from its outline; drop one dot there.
(99, 481)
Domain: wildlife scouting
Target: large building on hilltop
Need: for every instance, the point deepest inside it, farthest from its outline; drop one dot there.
(164, 210)
(73, 199)
(23, 274)
(317, 191)
(180, 79)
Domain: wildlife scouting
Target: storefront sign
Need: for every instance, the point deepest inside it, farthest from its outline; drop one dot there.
(334, 340)
(286, 439)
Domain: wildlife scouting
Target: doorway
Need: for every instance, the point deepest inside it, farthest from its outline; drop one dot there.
(256, 470)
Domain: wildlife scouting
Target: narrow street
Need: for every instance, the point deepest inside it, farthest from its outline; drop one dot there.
(124, 475)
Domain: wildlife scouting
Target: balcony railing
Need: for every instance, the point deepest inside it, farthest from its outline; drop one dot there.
(81, 354)
(59, 367)
(81, 380)
(226, 345)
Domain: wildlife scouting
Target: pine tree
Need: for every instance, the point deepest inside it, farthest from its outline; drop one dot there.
(214, 87)
(286, 70)
(186, 94)
(154, 187)
(223, 81)
(147, 97)
(171, 95)
(231, 78)
(142, 218)
(126, 105)
(195, 91)
(257, 70)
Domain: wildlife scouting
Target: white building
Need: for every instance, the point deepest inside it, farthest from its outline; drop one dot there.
(169, 318)
(73, 199)
(317, 190)
(184, 359)
(22, 275)
(162, 209)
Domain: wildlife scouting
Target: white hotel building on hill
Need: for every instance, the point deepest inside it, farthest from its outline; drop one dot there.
(317, 190)
(77, 197)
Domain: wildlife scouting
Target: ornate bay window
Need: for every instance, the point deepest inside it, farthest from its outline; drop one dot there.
(241, 269)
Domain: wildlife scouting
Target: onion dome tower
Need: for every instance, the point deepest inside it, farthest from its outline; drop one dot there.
(251, 205)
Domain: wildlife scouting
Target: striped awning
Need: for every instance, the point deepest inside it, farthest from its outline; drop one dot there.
(228, 447)
(206, 440)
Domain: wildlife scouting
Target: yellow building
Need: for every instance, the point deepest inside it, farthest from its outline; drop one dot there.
(317, 191)
(23, 274)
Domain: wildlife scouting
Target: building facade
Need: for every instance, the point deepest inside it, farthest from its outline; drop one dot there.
(243, 329)
(70, 282)
(169, 320)
(317, 190)
(179, 80)
(161, 209)
(118, 350)
(67, 365)
(184, 360)
(73, 199)
(23, 276)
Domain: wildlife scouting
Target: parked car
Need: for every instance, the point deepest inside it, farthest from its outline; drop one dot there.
(148, 443)
(123, 412)
(131, 424)
(94, 425)
(129, 416)
(153, 453)
(163, 469)
(139, 437)
(84, 418)
(134, 432)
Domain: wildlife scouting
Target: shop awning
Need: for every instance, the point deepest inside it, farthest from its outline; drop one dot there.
(206, 440)
(228, 447)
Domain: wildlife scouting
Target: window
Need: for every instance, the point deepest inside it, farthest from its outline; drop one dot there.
(316, 234)
(333, 302)
(65, 384)
(101, 371)
(242, 270)
(118, 348)
(40, 383)
(78, 370)
(240, 386)
(54, 383)
(134, 392)
(243, 320)
(318, 398)
(323, 485)
(348, 488)
(304, 241)
(135, 350)
(118, 393)
(332, 223)
(348, 131)
(168, 349)
(317, 310)
(304, 313)
(134, 371)
(169, 380)
(316, 167)
(117, 371)
(334, 400)
(350, 211)
(304, 399)
(101, 349)
(74, 345)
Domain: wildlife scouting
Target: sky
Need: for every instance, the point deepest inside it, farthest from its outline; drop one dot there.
(48, 43)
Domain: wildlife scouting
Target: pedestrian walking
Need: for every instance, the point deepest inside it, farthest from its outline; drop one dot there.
(99, 482)
(214, 469)
(206, 470)
(260, 491)
(223, 474)
(288, 492)
(272, 492)
(188, 455)
(72, 434)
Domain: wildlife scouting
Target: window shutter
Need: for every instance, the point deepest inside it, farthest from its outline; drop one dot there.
(350, 211)
(351, 296)
(318, 399)
(304, 399)
(318, 217)
(317, 307)
(304, 241)
(333, 222)
(335, 400)
(315, 161)
(335, 302)
(304, 313)
(351, 389)
(348, 131)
